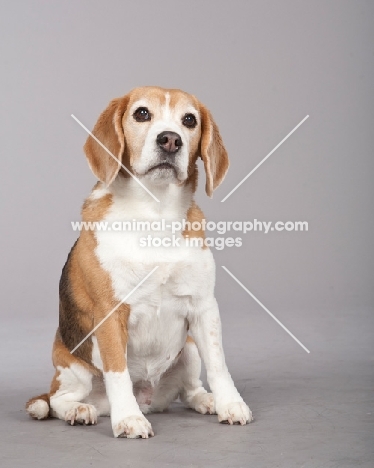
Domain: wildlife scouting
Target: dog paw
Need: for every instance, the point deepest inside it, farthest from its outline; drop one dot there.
(235, 413)
(133, 427)
(203, 403)
(81, 413)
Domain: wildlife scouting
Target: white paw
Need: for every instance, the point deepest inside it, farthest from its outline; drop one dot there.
(39, 409)
(133, 427)
(203, 403)
(81, 413)
(235, 413)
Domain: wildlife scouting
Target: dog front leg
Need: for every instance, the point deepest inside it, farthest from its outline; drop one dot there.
(205, 327)
(126, 418)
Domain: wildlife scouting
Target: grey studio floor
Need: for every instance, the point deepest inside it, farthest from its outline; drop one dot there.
(311, 410)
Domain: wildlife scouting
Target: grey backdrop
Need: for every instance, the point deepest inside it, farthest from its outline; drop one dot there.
(260, 66)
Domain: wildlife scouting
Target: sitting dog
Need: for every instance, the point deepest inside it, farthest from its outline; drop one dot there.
(146, 347)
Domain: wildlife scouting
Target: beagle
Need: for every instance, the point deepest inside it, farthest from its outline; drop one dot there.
(146, 351)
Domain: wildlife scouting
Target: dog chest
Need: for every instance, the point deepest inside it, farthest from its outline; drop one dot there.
(156, 335)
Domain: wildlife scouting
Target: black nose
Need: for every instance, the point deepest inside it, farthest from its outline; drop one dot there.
(169, 141)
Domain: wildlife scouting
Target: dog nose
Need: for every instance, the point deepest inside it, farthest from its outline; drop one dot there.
(169, 141)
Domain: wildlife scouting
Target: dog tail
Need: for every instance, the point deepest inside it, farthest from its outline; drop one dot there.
(38, 407)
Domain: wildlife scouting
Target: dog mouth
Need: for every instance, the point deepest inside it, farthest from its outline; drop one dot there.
(163, 166)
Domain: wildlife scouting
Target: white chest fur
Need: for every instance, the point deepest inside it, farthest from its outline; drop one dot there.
(162, 306)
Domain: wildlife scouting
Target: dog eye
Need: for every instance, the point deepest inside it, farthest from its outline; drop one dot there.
(189, 120)
(142, 114)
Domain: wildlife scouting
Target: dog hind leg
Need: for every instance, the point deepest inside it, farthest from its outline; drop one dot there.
(70, 386)
(183, 380)
(193, 394)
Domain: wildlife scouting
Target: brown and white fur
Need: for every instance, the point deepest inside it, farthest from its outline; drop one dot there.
(147, 353)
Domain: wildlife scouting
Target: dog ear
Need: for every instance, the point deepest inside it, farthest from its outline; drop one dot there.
(212, 152)
(108, 130)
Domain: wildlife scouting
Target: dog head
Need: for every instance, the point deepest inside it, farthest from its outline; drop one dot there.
(157, 134)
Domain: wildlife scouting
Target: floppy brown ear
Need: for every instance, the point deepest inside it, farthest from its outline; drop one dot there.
(108, 130)
(213, 152)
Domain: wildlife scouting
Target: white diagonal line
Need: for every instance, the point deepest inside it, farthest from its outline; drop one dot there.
(266, 310)
(265, 158)
(114, 309)
(114, 157)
